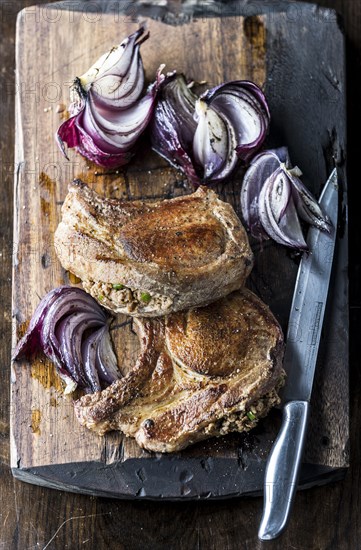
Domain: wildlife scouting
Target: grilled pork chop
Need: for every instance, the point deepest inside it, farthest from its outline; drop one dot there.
(201, 373)
(152, 258)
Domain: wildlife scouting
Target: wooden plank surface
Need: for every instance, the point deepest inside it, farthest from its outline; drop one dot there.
(56, 519)
(222, 49)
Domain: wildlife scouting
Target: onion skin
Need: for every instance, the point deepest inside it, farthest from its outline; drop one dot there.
(273, 197)
(173, 126)
(72, 133)
(242, 109)
(108, 113)
(117, 62)
(68, 326)
(250, 93)
(257, 173)
(31, 341)
(281, 224)
(208, 138)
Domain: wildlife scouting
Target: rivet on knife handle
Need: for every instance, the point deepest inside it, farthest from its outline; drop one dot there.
(283, 469)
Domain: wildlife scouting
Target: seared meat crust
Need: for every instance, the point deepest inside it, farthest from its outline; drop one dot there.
(149, 259)
(198, 375)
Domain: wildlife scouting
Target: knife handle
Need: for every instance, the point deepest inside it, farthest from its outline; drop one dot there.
(282, 470)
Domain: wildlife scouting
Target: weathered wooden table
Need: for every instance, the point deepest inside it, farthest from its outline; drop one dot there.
(32, 517)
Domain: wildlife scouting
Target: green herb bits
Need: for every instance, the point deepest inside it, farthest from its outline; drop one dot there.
(145, 297)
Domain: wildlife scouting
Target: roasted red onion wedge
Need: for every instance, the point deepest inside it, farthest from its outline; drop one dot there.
(69, 332)
(173, 125)
(115, 74)
(257, 173)
(109, 114)
(206, 136)
(242, 108)
(273, 197)
(72, 330)
(277, 211)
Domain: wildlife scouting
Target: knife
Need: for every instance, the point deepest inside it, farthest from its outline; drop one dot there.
(303, 337)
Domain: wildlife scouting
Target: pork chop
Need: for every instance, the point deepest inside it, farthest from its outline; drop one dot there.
(200, 373)
(151, 258)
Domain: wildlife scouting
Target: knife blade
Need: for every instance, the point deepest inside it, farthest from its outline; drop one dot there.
(302, 343)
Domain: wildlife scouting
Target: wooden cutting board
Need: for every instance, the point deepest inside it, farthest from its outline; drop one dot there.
(297, 55)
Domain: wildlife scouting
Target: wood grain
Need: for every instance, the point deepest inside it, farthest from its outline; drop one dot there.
(41, 186)
(30, 516)
(223, 48)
